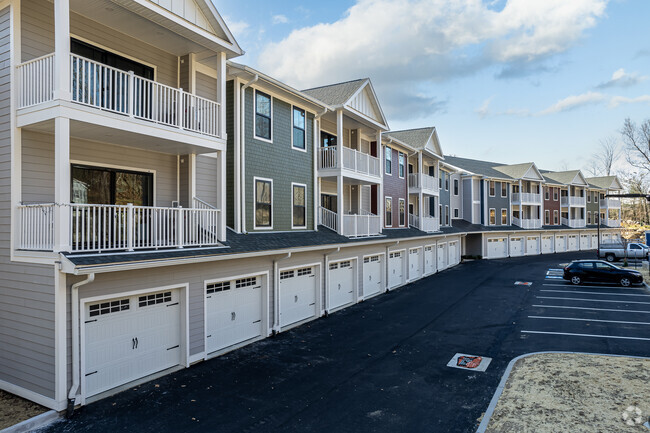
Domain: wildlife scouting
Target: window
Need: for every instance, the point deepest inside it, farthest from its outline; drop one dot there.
(547, 217)
(401, 165)
(504, 217)
(389, 212)
(263, 203)
(446, 215)
(98, 185)
(327, 140)
(492, 189)
(262, 116)
(298, 128)
(588, 217)
(595, 197)
(299, 216)
(108, 307)
(555, 198)
(504, 189)
(547, 193)
(442, 174)
(440, 213)
(493, 217)
(221, 286)
(447, 182)
(456, 212)
(588, 198)
(157, 298)
(455, 186)
(402, 212)
(389, 161)
(556, 219)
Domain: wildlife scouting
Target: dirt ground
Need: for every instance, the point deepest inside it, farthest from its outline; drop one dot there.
(550, 393)
(14, 409)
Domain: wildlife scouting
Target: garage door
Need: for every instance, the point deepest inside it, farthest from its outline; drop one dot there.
(233, 312)
(516, 247)
(547, 244)
(396, 269)
(372, 275)
(128, 338)
(341, 283)
(298, 294)
(442, 256)
(429, 259)
(497, 248)
(560, 244)
(594, 241)
(607, 238)
(415, 270)
(584, 242)
(573, 243)
(532, 245)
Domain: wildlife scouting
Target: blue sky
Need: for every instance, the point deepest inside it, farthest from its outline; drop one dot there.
(510, 81)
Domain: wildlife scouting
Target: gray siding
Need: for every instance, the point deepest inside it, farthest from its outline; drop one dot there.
(207, 179)
(497, 202)
(467, 199)
(26, 291)
(278, 161)
(230, 154)
(445, 197)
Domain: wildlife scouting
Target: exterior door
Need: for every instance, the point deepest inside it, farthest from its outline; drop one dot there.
(547, 244)
(429, 259)
(298, 294)
(584, 242)
(560, 244)
(516, 247)
(453, 253)
(532, 245)
(442, 256)
(341, 283)
(396, 269)
(415, 271)
(497, 248)
(372, 275)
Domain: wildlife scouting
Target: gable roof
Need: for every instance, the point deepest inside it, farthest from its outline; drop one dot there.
(520, 171)
(570, 177)
(477, 167)
(336, 94)
(419, 138)
(605, 182)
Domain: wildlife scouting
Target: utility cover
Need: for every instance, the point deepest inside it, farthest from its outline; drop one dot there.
(469, 362)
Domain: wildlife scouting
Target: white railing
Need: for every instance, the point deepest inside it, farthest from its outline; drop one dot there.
(423, 181)
(573, 223)
(573, 201)
(526, 197)
(328, 219)
(612, 203)
(613, 223)
(527, 223)
(36, 81)
(361, 225)
(36, 227)
(327, 157)
(200, 204)
(361, 162)
(414, 221)
(429, 224)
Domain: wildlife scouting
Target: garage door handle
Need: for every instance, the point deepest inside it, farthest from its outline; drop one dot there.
(171, 305)
(295, 298)
(233, 315)
(369, 277)
(133, 344)
(136, 342)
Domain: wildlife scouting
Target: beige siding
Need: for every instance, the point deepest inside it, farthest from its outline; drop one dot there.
(38, 168)
(206, 86)
(26, 291)
(207, 179)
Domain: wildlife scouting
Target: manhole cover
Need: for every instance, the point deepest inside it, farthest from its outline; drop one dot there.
(469, 362)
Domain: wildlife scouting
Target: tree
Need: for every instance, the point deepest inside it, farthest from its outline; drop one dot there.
(602, 162)
(637, 143)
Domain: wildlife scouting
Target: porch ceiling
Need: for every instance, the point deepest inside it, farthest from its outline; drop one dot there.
(351, 123)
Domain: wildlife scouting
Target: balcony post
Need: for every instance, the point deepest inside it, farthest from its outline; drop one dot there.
(131, 92)
(130, 227)
(339, 204)
(339, 139)
(62, 50)
(180, 116)
(221, 93)
(380, 189)
(61, 184)
(179, 227)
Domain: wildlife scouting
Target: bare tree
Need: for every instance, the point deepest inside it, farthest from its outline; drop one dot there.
(637, 143)
(602, 162)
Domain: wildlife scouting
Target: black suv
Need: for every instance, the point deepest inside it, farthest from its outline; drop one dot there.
(599, 271)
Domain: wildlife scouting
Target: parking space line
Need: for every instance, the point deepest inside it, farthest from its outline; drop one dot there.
(591, 309)
(623, 322)
(594, 287)
(592, 300)
(618, 337)
(593, 293)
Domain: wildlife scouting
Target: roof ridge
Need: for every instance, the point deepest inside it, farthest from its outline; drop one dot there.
(335, 84)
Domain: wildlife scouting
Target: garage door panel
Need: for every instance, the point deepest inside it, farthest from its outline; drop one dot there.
(341, 283)
(442, 256)
(453, 253)
(516, 247)
(547, 244)
(372, 275)
(429, 259)
(396, 261)
(532, 245)
(298, 294)
(414, 264)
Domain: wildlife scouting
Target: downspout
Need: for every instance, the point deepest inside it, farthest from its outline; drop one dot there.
(325, 308)
(276, 290)
(316, 146)
(242, 142)
(76, 373)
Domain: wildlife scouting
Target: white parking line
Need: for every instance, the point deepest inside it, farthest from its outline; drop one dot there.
(589, 320)
(586, 335)
(593, 293)
(593, 300)
(591, 309)
(594, 287)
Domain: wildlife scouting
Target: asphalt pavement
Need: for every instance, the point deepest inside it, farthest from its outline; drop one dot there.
(381, 365)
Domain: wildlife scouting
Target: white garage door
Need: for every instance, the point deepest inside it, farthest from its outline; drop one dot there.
(415, 270)
(341, 283)
(442, 256)
(516, 247)
(233, 312)
(429, 259)
(594, 241)
(497, 248)
(372, 275)
(547, 244)
(128, 338)
(573, 243)
(584, 242)
(607, 238)
(395, 269)
(560, 244)
(532, 245)
(298, 294)
(454, 256)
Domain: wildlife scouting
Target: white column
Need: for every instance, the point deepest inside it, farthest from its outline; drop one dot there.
(339, 178)
(222, 196)
(237, 155)
(339, 203)
(191, 172)
(521, 210)
(62, 49)
(221, 92)
(316, 194)
(420, 194)
(62, 183)
(380, 189)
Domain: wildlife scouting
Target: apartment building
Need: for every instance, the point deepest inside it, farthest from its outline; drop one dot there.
(607, 208)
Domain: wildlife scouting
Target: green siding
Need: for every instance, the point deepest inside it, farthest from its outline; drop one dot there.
(592, 207)
(230, 154)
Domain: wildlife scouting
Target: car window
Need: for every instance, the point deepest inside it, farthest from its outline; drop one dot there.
(587, 265)
(635, 247)
(604, 266)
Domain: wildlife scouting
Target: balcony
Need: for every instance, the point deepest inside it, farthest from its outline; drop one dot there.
(574, 223)
(426, 223)
(353, 225)
(527, 198)
(112, 90)
(573, 201)
(100, 228)
(614, 223)
(527, 223)
(354, 162)
(610, 203)
(420, 182)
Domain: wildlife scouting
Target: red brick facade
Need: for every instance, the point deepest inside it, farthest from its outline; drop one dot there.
(551, 205)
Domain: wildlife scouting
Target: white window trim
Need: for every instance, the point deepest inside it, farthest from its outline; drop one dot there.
(255, 179)
(547, 212)
(456, 191)
(403, 156)
(293, 107)
(504, 223)
(406, 213)
(392, 211)
(447, 216)
(556, 213)
(495, 188)
(556, 194)
(293, 184)
(266, 140)
(588, 217)
(490, 223)
(391, 161)
(506, 194)
(456, 213)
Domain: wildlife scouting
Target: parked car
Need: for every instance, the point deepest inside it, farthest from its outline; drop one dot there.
(614, 252)
(599, 271)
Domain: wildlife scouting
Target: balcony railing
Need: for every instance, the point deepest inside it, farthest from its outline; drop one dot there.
(612, 222)
(110, 89)
(611, 203)
(574, 223)
(328, 219)
(526, 198)
(573, 201)
(353, 160)
(97, 228)
(527, 223)
(426, 223)
(426, 183)
(361, 225)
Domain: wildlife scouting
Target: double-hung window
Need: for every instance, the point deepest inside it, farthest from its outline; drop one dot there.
(389, 212)
(504, 189)
(492, 189)
(263, 116)
(402, 212)
(493, 217)
(547, 217)
(298, 203)
(263, 203)
(298, 128)
(455, 186)
(401, 165)
(504, 217)
(389, 160)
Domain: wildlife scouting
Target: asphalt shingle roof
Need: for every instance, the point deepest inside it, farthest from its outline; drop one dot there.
(515, 171)
(416, 138)
(564, 177)
(336, 94)
(485, 168)
(604, 182)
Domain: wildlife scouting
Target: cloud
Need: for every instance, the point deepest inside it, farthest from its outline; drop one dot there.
(574, 101)
(238, 28)
(620, 78)
(615, 101)
(423, 41)
(279, 19)
(484, 111)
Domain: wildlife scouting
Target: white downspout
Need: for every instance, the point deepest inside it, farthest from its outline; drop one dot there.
(242, 143)
(76, 367)
(276, 290)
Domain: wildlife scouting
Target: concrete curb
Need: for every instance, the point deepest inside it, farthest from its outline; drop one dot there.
(33, 423)
(506, 374)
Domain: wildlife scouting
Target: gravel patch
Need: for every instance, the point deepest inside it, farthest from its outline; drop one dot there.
(14, 409)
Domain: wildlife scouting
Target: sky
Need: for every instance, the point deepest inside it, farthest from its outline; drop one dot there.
(508, 81)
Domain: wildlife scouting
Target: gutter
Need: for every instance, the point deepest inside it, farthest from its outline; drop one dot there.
(242, 151)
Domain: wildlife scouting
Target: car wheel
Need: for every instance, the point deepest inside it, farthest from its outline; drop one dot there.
(610, 257)
(625, 282)
(576, 280)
